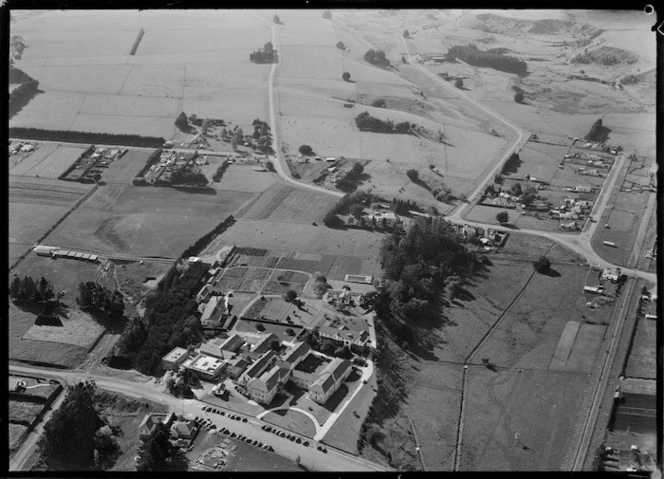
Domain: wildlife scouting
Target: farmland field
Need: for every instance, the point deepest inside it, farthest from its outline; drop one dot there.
(642, 356)
(145, 221)
(24, 412)
(54, 164)
(22, 162)
(124, 169)
(510, 422)
(78, 329)
(529, 333)
(287, 204)
(16, 433)
(243, 178)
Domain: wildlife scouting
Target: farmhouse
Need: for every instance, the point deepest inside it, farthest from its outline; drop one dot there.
(342, 299)
(611, 274)
(330, 380)
(345, 336)
(174, 359)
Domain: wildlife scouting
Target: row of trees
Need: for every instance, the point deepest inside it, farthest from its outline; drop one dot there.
(26, 290)
(377, 57)
(170, 319)
(96, 298)
(220, 171)
(418, 263)
(476, 57)
(86, 137)
(21, 95)
(76, 437)
(366, 122)
(182, 176)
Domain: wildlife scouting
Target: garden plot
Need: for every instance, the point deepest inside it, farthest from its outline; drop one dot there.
(510, 423)
(52, 110)
(130, 106)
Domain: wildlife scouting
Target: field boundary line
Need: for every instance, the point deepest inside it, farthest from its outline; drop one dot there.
(57, 223)
(417, 443)
(457, 449)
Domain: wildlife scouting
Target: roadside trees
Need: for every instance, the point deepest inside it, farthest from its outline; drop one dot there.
(542, 264)
(306, 150)
(291, 296)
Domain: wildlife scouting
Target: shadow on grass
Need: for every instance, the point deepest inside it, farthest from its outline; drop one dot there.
(198, 190)
(551, 273)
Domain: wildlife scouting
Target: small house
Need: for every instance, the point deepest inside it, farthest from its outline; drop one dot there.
(611, 274)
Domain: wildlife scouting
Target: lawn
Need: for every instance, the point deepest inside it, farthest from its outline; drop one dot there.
(519, 420)
(291, 420)
(279, 330)
(145, 221)
(78, 329)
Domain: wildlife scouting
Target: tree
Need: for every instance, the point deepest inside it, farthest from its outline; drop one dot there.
(403, 60)
(269, 166)
(106, 445)
(459, 83)
(402, 127)
(406, 34)
(306, 150)
(518, 97)
(356, 210)
(341, 46)
(97, 177)
(503, 217)
(290, 332)
(412, 174)
(327, 14)
(276, 20)
(291, 296)
(516, 189)
(182, 121)
(542, 264)
(156, 450)
(331, 220)
(345, 76)
(498, 178)
(275, 345)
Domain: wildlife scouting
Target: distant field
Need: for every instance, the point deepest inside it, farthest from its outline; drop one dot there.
(145, 221)
(42, 191)
(511, 424)
(24, 412)
(243, 178)
(56, 163)
(27, 222)
(20, 163)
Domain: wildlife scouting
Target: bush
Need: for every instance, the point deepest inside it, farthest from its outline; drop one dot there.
(86, 137)
(269, 166)
(345, 76)
(376, 57)
(331, 220)
(412, 174)
(542, 264)
(306, 150)
(378, 103)
(503, 217)
(459, 83)
(518, 97)
(406, 34)
(341, 46)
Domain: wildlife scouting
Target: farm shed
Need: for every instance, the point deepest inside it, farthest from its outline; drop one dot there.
(42, 250)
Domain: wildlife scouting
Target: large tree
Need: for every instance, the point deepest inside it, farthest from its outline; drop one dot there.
(502, 217)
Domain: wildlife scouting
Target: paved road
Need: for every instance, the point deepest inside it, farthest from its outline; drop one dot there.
(333, 460)
(280, 161)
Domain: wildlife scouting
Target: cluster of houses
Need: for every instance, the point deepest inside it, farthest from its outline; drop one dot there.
(182, 430)
(260, 366)
(170, 161)
(92, 163)
(574, 208)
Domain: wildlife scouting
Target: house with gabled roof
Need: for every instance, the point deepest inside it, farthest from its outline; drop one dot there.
(150, 421)
(295, 353)
(330, 380)
(264, 388)
(345, 336)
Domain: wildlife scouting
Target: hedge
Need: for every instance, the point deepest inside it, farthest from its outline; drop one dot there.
(86, 137)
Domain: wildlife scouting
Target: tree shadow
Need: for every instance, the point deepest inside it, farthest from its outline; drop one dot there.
(197, 190)
(465, 295)
(552, 273)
